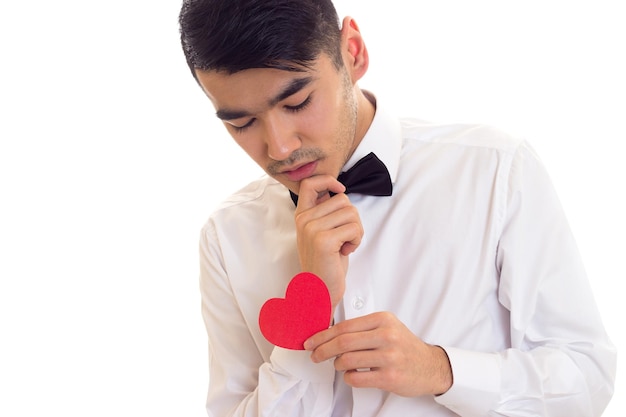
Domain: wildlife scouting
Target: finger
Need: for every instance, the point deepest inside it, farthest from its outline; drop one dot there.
(358, 360)
(336, 240)
(343, 224)
(335, 206)
(350, 235)
(313, 187)
(348, 247)
(347, 345)
(364, 323)
(355, 325)
(364, 378)
(348, 336)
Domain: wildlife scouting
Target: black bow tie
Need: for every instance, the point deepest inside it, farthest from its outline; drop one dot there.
(368, 176)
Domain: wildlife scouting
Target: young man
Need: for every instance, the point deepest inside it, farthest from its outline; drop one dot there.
(456, 288)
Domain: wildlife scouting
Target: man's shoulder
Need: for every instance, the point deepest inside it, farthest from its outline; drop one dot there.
(461, 134)
(254, 192)
(253, 200)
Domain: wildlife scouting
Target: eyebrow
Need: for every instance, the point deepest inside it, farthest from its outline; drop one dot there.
(292, 88)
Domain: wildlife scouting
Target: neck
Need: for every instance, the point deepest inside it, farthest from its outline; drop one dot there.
(366, 108)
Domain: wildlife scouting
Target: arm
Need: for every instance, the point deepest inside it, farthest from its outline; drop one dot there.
(241, 382)
(561, 361)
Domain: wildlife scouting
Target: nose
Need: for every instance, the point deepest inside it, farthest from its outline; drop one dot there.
(281, 138)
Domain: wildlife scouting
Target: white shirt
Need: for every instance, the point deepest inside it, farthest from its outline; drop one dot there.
(472, 252)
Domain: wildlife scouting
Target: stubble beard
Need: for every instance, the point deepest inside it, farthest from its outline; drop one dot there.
(344, 135)
(346, 132)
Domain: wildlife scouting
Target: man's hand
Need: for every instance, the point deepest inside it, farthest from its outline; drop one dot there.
(378, 351)
(328, 230)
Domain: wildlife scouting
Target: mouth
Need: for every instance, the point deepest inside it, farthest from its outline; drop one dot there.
(301, 171)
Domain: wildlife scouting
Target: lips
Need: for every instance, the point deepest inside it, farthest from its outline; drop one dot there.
(301, 172)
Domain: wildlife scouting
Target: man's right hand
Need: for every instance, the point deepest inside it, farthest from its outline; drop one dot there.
(328, 230)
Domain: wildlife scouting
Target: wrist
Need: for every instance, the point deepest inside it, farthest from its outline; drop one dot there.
(444, 377)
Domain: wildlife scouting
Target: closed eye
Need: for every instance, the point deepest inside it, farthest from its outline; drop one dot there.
(300, 106)
(240, 129)
(292, 109)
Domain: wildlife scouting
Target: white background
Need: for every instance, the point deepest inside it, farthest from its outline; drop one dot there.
(111, 160)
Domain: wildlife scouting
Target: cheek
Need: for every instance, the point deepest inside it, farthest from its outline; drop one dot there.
(321, 121)
(254, 148)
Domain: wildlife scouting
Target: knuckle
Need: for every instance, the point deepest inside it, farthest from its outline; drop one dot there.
(382, 318)
(390, 378)
(344, 343)
(354, 379)
(393, 357)
(387, 317)
(354, 212)
(343, 362)
(301, 220)
(343, 198)
(391, 336)
(357, 229)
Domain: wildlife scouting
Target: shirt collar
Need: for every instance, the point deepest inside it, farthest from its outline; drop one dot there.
(384, 138)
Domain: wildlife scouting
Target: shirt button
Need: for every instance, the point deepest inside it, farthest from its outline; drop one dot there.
(358, 303)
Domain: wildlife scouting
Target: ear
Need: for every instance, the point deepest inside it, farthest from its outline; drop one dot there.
(355, 56)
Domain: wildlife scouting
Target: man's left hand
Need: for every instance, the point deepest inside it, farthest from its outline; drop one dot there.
(379, 351)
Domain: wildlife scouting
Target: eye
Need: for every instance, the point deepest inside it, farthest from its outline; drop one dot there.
(300, 106)
(240, 129)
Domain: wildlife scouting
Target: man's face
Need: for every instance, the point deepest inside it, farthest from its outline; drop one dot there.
(293, 124)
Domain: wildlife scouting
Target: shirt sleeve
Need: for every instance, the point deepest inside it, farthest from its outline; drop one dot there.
(241, 382)
(561, 361)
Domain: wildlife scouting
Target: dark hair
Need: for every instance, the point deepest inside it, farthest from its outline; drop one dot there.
(233, 35)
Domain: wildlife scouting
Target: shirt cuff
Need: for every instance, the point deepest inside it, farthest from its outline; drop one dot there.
(299, 364)
(476, 382)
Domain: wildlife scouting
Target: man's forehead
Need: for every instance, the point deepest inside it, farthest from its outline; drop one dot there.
(236, 95)
(247, 92)
(261, 76)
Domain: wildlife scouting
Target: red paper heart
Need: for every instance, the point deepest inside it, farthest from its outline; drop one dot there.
(305, 310)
